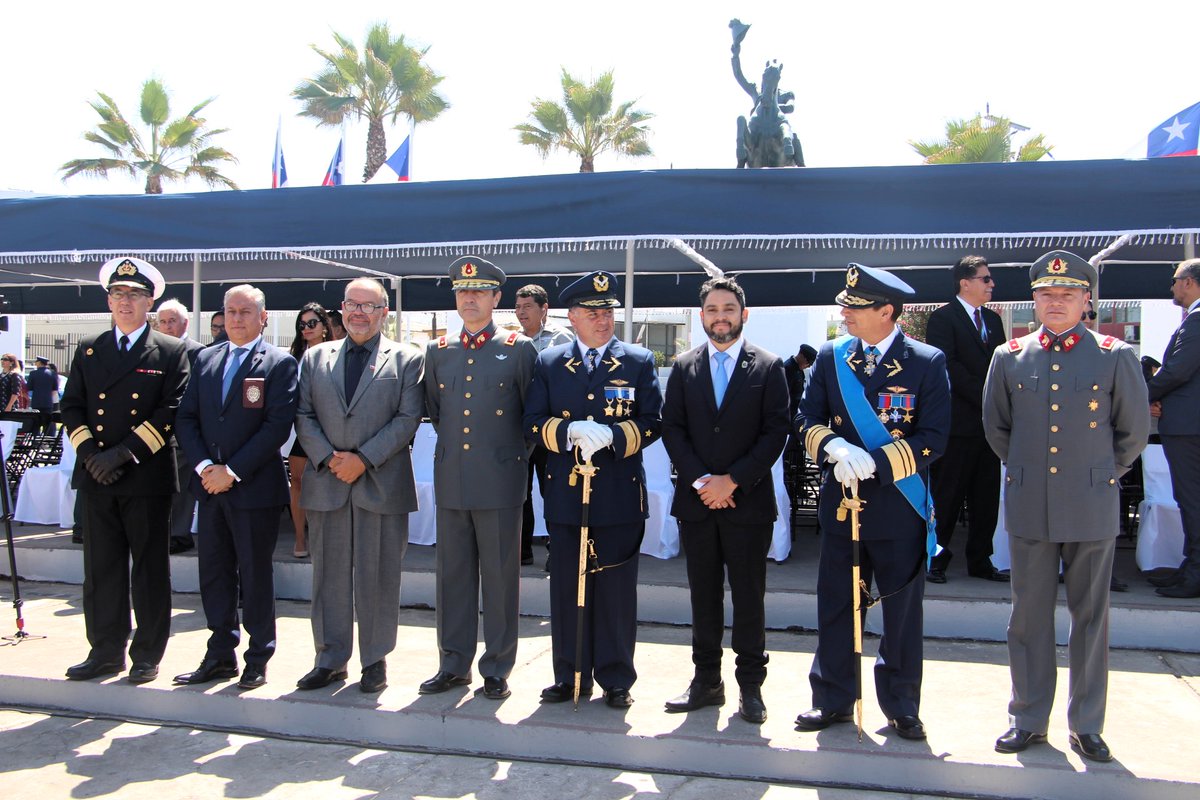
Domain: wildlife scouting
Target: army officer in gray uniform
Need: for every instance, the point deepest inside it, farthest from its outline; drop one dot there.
(1065, 410)
(474, 393)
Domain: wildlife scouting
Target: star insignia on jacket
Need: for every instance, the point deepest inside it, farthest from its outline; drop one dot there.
(166, 427)
(535, 428)
(927, 452)
(1093, 405)
(649, 434)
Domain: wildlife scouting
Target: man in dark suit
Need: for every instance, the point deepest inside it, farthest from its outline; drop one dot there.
(968, 333)
(172, 319)
(43, 394)
(878, 408)
(725, 498)
(236, 413)
(1174, 399)
(600, 396)
(795, 368)
(119, 410)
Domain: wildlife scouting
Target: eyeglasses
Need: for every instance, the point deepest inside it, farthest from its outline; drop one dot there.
(310, 323)
(984, 278)
(119, 295)
(1089, 315)
(349, 306)
(1179, 278)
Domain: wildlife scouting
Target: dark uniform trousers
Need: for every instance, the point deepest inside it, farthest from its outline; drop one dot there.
(969, 471)
(537, 464)
(610, 613)
(117, 526)
(1183, 456)
(711, 547)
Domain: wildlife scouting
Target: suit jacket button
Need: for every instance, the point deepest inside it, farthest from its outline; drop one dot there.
(220, 419)
(499, 412)
(716, 429)
(591, 396)
(103, 395)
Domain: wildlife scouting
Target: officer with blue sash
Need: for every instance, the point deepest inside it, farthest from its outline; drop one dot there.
(875, 415)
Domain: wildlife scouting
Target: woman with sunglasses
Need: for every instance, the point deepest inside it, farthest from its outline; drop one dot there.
(10, 381)
(312, 328)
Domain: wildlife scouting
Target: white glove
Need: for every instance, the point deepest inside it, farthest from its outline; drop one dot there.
(844, 474)
(860, 462)
(592, 434)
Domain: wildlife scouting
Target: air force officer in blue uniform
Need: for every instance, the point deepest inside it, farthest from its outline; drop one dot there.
(878, 408)
(595, 398)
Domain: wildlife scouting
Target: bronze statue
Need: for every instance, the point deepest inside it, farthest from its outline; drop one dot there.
(767, 140)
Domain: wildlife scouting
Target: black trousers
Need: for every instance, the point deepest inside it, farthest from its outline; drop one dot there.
(537, 463)
(235, 547)
(119, 527)
(714, 548)
(1183, 457)
(610, 605)
(182, 504)
(968, 471)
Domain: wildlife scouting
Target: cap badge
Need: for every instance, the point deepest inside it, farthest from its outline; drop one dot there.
(1057, 266)
(126, 268)
(600, 283)
(852, 277)
(469, 270)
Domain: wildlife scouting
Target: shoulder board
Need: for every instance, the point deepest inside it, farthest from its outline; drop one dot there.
(1014, 345)
(1109, 342)
(441, 342)
(512, 338)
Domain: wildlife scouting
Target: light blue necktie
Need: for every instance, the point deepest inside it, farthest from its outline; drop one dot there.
(720, 377)
(236, 360)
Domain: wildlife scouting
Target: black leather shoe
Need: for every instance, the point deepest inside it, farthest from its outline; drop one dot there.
(76, 537)
(142, 672)
(908, 727)
(94, 668)
(444, 681)
(374, 678)
(1117, 586)
(1160, 581)
(178, 546)
(698, 695)
(936, 575)
(1016, 740)
(495, 688)
(1090, 746)
(1181, 589)
(818, 719)
(617, 698)
(751, 706)
(992, 574)
(210, 669)
(253, 676)
(563, 692)
(320, 677)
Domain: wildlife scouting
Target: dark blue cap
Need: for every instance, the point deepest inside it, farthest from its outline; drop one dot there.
(597, 290)
(871, 287)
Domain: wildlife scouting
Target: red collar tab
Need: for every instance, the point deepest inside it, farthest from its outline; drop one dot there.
(478, 340)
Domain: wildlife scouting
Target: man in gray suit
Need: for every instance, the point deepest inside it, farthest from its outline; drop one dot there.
(1065, 410)
(474, 394)
(360, 404)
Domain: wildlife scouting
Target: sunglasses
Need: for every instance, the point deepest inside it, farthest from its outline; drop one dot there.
(984, 278)
(1089, 315)
(308, 323)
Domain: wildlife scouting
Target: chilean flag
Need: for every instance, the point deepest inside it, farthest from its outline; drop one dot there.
(336, 174)
(1177, 136)
(279, 177)
(399, 159)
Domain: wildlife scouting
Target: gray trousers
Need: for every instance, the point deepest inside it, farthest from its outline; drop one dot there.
(475, 548)
(356, 557)
(1087, 572)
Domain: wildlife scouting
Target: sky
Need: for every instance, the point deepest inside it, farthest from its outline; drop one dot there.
(868, 77)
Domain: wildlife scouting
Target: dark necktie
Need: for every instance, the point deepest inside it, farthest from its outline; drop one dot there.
(235, 361)
(979, 323)
(124, 342)
(592, 355)
(356, 359)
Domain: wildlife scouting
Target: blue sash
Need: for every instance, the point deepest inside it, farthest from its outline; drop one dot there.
(873, 436)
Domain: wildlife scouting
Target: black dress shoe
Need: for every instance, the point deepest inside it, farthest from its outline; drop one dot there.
(444, 681)
(1181, 589)
(698, 695)
(818, 719)
(253, 676)
(991, 574)
(94, 668)
(76, 537)
(1160, 581)
(563, 692)
(178, 546)
(617, 698)
(142, 672)
(320, 677)
(495, 688)
(1016, 740)
(1090, 746)
(1115, 585)
(751, 706)
(374, 678)
(936, 575)
(908, 726)
(210, 669)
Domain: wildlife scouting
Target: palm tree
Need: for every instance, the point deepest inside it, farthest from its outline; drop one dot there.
(980, 140)
(387, 79)
(586, 123)
(179, 149)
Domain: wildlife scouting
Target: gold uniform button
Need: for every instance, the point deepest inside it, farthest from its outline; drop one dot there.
(469, 378)
(1111, 481)
(103, 396)
(1054, 407)
(467, 395)
(1054, 429)
(470, 361)
(1057, 348)
(591, 397)
(466, 412)
(466, 430)
(1053, 449)
(100, 443)
(135, 395)
(1092, 424)
(1095, 387)
(1054, 387)
(441, 386)
(1054, 470)
(466, 447)
(1055, 367)
(99, 427)
(499, 412)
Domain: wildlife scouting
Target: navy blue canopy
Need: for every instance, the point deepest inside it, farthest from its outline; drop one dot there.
(789, 233)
